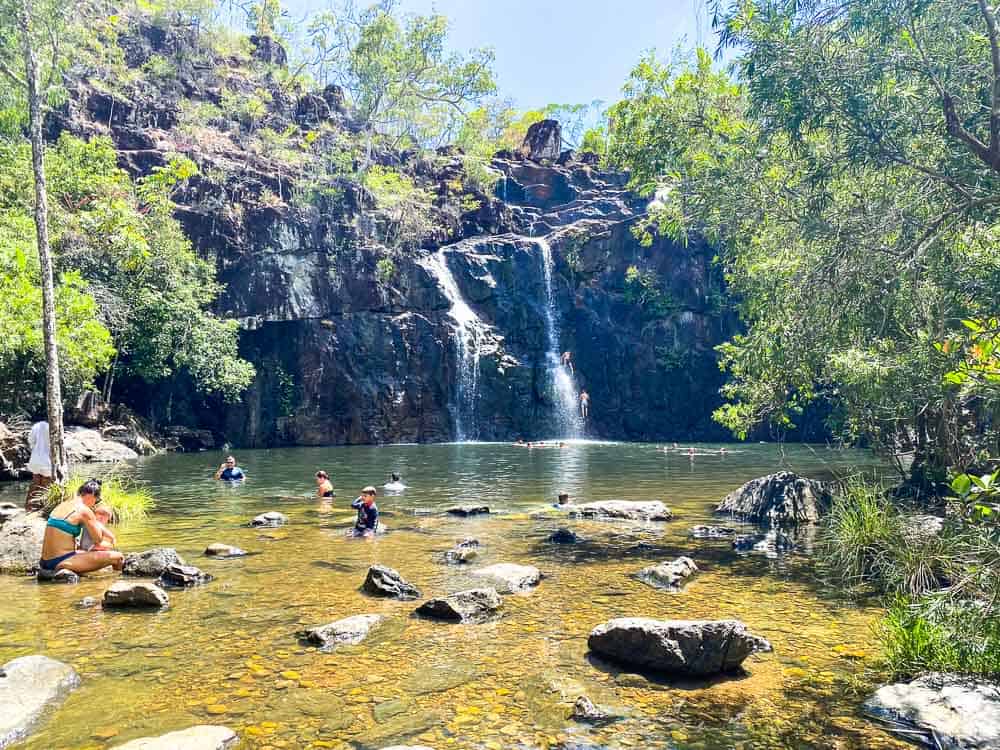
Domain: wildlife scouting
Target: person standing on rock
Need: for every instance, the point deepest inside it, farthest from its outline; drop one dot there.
(230, 472)
(40, 466)
(65, 525)
(584, 404)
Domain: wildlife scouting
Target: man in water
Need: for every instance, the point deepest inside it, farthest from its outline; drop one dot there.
(40, 466)
(584, 404)
(367, 521)
(230, 472)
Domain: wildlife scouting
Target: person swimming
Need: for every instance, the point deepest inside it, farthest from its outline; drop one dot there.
(395, 483)
(324, 487)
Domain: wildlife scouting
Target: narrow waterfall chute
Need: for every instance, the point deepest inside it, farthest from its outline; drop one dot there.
(469, 329)
(569, 421)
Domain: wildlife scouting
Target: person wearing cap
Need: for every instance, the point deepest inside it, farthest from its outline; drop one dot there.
(367, 513)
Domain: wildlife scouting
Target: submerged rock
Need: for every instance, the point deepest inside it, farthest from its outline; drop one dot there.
(21, 543)
(472, 605)
(622, 510)
(151, 563)
(384, 581)
(772, 543)
(781, 499)
(584, 710)
(463, 552)
(712, 532)
(469, 510)
(951, 711)
(668, 575)
(201, 737)
(683, 647)
(181, 576)
(349, 631)
(30, 686)
(218, 549)
(135, 594)
(57, 576)
(511, 578)
(269, 520)
(564, 536)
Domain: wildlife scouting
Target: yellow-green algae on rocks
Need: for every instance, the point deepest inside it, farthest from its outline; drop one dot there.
(226, 653)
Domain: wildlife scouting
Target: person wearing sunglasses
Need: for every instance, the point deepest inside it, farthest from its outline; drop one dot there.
(66, 523)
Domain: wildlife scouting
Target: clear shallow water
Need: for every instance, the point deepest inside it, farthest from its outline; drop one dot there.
(227, 653)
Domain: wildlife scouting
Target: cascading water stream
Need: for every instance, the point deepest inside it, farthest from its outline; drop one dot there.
(468, 339)
(568, 418)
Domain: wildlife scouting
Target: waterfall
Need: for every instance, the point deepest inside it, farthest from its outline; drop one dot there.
(468, 339)
(568, 419)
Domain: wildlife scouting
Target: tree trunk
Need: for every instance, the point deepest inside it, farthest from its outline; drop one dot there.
(53, 391)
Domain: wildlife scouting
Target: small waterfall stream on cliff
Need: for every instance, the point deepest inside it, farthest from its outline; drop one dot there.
(568, 420)
(468, 337)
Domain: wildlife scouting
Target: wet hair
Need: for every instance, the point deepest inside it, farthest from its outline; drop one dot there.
(395, 477)
(90, 487)
(369, 490)
(322, 474)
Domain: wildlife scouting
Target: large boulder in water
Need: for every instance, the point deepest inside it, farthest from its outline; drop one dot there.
(30, 686)
(782, 499)
(668, 575)
(473, 605)
(384, 581)
(349, 631)
(945, 710)
(622, 510)
(201, 737)
(21, 543)
(152, 563)
(683, 647)
(510, 578)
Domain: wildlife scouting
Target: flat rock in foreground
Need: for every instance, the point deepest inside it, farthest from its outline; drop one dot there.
(29, 686)
(511, 578)
(135, 595)
(781, 499)
(21, 543)
(152, 563)
(201, 737)
(952, 711)
(668, 575)
(681, 647)
(473, 605)
(622, 510)
(349, 631)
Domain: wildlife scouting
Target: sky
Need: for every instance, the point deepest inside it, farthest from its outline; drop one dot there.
(561, 51)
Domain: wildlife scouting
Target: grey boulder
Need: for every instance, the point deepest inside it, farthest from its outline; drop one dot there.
(472, 605)
(384, 581)
(21, 543)
(668, 575)
(269, 520)
(182, 576)
(682, 647)
(218, 549)
(57, 576)
(585, 711)
(468, 510)
(781, 499)
(510, 578)
(463, 552)
(135, 595)
(152, 563)
(947, 711)
(349, 631)
(201, 737)
(712, 532)
(29, 687)
(564, 536)
(622, 510)
(84, 445)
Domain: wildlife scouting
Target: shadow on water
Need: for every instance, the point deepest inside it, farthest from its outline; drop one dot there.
(638, 677)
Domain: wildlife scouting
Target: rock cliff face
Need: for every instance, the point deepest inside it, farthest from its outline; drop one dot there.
(463, 337)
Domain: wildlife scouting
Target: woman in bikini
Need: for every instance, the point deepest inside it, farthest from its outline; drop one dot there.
(324, 487)
(65, 524)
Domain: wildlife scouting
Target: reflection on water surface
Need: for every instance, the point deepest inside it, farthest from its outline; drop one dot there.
(226, 652)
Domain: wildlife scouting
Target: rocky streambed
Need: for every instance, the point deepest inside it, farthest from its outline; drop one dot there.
(268, 649)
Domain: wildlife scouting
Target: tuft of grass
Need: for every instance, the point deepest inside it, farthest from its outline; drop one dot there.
(860, 533)
(127, 500)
